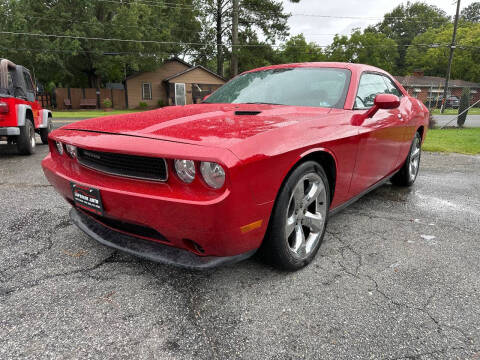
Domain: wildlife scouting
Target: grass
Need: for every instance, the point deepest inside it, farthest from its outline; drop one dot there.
(463, 141)
(85, 114)
(472, 111)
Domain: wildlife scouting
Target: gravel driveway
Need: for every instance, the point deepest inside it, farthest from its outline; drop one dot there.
(398, 277)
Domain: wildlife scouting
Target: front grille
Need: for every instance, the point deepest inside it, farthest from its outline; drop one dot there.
(132, 229)
(139, 167)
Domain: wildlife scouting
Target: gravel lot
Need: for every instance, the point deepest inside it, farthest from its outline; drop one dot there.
(381, 288)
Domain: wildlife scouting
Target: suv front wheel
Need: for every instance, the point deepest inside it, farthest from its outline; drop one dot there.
(44, 132)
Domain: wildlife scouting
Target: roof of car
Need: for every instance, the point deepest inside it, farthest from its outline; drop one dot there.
(340, 65)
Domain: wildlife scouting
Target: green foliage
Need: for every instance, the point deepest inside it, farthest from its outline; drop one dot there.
(142, 105)
(407, 21)
(471, 13)
(296, 49)
(434, 60)
(160, 103)
(464, 104)
(367, 48)
(88, 63)
(107, 103)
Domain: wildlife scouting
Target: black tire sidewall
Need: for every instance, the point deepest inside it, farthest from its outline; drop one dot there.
(44, 132)
(276, 246)
(402, 178)
(24, 139)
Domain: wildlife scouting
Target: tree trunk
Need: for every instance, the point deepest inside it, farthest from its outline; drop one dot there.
(219, 39)
(234, 65)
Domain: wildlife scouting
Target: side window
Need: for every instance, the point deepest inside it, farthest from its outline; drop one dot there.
(28, 82)
(370, 86)
(392, 88)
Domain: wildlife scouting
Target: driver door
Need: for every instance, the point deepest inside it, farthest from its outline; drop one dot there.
(380, 136)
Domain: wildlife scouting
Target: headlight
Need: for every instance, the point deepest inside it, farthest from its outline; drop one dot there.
(185, 170)
(59, 147)
(213, 174)
(71, 150)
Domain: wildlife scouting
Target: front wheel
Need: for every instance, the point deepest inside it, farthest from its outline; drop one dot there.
(299, 218)
(26, 140)
(45, 131)
(407, 175)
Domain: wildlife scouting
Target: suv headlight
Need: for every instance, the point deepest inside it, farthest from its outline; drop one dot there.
(185, 170)
(213, 174)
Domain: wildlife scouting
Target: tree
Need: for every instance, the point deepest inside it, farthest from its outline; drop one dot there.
(471, 13)
(366, 48)
(296, 49)
(433, 59)
(82, 62)
(265, 16)
(407, 21)
(462, 109)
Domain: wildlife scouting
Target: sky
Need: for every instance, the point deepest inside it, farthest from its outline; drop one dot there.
(321, 30)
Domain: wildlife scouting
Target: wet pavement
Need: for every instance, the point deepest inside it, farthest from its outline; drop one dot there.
(451, 120)
(396, 278)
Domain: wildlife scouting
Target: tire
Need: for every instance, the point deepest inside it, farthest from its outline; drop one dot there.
(44, 132)
(299, 218)
(26, 139)
(408, 173)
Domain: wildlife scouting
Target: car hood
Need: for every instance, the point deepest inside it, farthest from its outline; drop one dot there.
(218, 125)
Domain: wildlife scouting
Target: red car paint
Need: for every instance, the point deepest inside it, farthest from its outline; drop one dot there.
(256, 151)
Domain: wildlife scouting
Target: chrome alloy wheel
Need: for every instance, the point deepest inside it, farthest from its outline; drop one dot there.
(306, 215)
(415, 153)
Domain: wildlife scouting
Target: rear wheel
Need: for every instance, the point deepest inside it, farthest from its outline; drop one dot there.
(44, 132)
(299, 218)
(26, 140)
(409, 171)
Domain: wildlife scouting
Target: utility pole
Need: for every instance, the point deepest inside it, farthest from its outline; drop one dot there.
(452, 48)
(235, 38)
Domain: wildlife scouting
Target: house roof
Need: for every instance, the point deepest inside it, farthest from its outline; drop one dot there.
(168, 60)
(433, 81)
(194, 68)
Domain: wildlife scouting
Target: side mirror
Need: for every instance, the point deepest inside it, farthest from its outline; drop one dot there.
(386, 101)
(383, 101)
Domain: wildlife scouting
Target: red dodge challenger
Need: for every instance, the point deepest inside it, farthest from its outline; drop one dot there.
(260, 164)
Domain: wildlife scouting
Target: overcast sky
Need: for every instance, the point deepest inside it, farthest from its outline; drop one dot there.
(321, 30)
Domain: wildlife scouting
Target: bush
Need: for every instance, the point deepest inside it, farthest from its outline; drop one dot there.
(464, 104)
(160, 103)
(142, 105)
(107, 103)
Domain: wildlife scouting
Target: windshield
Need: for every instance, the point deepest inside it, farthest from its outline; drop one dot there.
(317, 87)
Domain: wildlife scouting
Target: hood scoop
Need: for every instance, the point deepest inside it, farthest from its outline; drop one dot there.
(247, 112)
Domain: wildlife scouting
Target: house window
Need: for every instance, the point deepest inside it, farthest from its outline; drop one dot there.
(146, 91)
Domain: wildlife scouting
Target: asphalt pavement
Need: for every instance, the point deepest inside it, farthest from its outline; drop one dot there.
(451, 120)
(397, 277)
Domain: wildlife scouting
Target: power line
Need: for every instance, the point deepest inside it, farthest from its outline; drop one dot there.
(208, 44)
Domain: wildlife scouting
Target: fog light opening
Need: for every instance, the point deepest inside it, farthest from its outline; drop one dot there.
(193, 246)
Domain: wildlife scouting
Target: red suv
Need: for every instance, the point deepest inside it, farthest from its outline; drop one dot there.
(21, 116)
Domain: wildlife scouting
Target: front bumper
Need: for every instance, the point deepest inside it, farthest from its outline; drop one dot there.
(148, 249)
(207, 223)
(9, 131)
